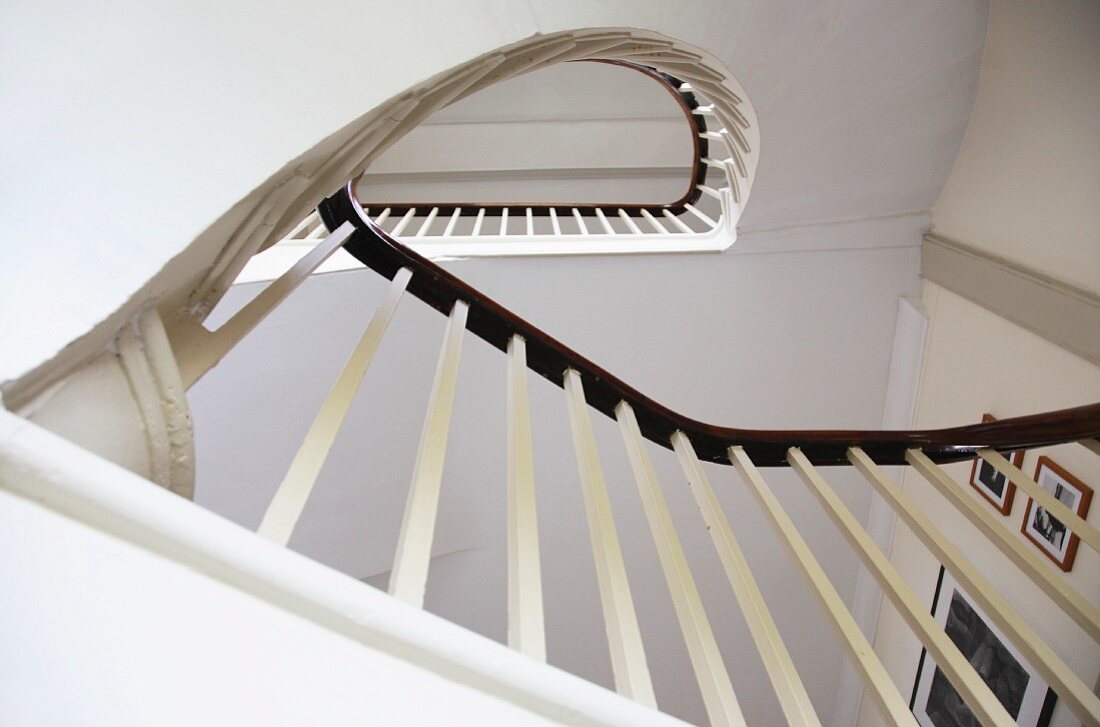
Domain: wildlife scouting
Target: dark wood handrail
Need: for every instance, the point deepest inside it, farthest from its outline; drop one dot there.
(551, 359)
(700, 148)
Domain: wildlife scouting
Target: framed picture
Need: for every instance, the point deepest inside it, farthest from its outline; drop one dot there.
(993, 485)
(1046, 531)
(1020, 689)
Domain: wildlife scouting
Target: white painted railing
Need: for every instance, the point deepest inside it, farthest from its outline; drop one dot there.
(705, 219)
(43, 471)
(445, 231)
(802, 451)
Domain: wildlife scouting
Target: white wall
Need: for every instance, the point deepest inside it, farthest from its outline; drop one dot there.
(1025, 185)
(110, 634)
(183, 115)
(976, 362)
(125, 604)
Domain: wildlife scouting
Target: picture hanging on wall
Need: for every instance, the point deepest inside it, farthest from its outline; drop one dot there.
(1047, 532)
(993, 485)
(935, 703)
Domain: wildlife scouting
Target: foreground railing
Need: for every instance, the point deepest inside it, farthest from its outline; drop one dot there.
(588, 387)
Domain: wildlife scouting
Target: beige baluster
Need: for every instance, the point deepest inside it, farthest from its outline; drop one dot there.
(1018, 551)
(968, 682)
(414, 544)
(1057, 674)
(628, 662)
(290, 498)
(892, 706)
(526, 628)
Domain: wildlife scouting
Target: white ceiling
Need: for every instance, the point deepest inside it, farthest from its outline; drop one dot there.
(862, 106)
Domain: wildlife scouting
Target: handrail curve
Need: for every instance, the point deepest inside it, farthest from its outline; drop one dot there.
(688, 103)
(550, 358)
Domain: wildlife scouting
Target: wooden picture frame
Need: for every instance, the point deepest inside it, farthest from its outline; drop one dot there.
(1022, 691)
(994, 486)
(1046, 532)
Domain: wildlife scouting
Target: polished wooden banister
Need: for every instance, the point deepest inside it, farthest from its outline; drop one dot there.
(550, 358)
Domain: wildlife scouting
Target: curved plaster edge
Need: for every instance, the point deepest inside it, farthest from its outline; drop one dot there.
(191, 283)
(44, 468)
(158, 390)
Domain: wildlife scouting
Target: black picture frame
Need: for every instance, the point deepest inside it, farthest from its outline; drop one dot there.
(1024, 693)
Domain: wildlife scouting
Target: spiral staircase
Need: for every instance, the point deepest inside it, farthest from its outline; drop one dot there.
(97, 460)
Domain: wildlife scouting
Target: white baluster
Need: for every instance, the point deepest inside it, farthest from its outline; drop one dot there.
(310, 219)
(603, 221)
(1049, 502)
(628, 662)
(706, 660)
(691, 208)
(203, 349)
(892, 706)
(955, 666)
(290, 498)
(453, 221)
(526, 628)
(414, 545)
(403, 222)
(1018, 551)
(1084, 703)
(580, 221)
(676, 221)
(427, 222)
(629, 222)
(788, 686)
(657, 226)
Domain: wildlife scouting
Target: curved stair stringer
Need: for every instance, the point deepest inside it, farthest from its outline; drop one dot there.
(195, 277)
(205, 159)
(387, 123)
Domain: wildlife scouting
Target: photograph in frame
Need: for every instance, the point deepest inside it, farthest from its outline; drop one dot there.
(994, 486)
(935, 703)
(1045, 531)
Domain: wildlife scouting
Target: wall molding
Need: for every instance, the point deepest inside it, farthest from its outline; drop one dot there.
(1061, 313)
(522, 174)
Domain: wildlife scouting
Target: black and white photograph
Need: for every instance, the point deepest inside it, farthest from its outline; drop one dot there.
(992, 484)
(1047, 532)
(1023, 693)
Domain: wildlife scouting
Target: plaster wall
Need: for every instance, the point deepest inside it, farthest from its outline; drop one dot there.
(155, 642)
(1025, 184)
(1023, 187)
(976, 362)
(150, 610)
